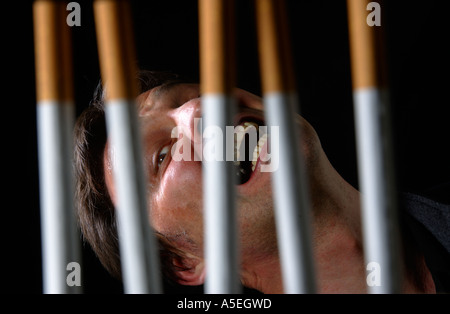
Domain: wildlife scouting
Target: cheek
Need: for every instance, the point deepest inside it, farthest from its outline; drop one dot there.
(176, 204)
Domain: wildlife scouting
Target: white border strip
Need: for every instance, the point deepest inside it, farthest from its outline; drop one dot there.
(375, 169)
(60, 237)
(292, 204)
(138, 250)
(221, 246)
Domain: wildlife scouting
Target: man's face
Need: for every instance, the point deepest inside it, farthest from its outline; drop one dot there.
(175, 198)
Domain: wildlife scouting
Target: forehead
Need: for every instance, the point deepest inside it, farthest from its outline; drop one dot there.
(166, 95)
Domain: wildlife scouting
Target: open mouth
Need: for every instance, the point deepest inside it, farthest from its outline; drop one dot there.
(249, 139)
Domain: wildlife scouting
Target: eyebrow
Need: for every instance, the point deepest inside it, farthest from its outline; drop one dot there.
(157, 92)
(166, 87)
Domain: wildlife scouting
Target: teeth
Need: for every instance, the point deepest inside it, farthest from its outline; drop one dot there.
(239, 138)
(257, 150)
(240, 135)
(250, 124)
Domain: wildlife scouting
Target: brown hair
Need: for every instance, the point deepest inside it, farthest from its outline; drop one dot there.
(95, 211)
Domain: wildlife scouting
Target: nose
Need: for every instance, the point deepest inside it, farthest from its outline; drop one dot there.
(188, 118)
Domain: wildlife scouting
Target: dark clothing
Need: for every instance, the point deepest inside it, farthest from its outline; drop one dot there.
(428, 224)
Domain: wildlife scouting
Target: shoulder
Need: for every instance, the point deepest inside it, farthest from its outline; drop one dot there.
(428, 223)
(433, 215)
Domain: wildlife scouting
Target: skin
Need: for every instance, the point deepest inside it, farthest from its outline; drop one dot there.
(176, 201)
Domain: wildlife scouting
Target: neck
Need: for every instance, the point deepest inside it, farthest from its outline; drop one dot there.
(337, 247)
(337, 234)
(336, 243)
(338, 262)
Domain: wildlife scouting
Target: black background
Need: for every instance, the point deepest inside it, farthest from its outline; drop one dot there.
(166, 34)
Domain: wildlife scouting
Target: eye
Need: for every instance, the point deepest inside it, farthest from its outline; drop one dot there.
(162, 155)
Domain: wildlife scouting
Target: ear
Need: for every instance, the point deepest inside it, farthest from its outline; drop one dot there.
(190, 271)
